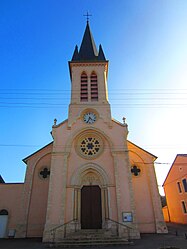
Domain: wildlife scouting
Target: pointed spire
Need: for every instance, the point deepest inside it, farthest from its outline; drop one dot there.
(88, 50)
(1, 179)
(75, 54)
(101, 56)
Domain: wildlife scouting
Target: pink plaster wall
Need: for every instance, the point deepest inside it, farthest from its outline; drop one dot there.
(11, 200)
(38, 200)
(145, 213)
(143, 205)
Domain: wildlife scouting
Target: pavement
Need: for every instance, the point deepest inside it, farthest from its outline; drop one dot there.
(175, 239)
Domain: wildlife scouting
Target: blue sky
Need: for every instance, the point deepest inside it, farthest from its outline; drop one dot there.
(146, 44)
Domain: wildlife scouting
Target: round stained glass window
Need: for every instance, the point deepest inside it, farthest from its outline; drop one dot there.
(90, 146)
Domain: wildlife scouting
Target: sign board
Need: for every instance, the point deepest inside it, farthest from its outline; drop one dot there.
(127, 217)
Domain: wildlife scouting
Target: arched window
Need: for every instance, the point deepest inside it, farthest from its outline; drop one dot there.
(84, 87)
(3, 212)
(94, 87)
(3, 223)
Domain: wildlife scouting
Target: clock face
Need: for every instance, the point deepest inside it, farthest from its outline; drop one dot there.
(89, 117)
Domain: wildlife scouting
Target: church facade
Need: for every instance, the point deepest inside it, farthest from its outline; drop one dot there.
(90, 176)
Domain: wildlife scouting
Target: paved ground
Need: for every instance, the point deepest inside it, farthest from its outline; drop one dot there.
(174, 239)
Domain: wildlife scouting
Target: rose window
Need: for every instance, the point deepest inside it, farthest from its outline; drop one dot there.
(89, 145)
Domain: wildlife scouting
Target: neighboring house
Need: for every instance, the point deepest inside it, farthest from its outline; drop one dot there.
(175, 188)
(90, 176)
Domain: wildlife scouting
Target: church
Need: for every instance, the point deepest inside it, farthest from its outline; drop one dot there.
(90, 176)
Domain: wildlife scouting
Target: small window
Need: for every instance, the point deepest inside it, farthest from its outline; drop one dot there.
(44, 173)
(184, 207)
(135, 170)
(3, 212)
(179, 187)
(184, 184)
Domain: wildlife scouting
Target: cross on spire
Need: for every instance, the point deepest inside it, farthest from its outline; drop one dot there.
(87, 16)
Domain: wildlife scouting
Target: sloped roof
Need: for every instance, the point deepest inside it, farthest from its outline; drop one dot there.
(88, 50)
(178, 155)
(182, 155)
(155, 157)
(26, 158)
(118, 122)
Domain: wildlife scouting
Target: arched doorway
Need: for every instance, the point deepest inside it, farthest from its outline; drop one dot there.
(3, 223)
(90, 177)
(91, 210)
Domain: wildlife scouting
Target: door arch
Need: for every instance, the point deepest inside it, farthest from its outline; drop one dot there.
(90, 174)
(3, 223)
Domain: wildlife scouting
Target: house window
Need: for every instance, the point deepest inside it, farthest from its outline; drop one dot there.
(94, 87)
(184, 184)
(84, 87)
(179, 187)
(184, 207)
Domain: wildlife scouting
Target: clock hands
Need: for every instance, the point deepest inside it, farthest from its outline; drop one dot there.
(89, 118)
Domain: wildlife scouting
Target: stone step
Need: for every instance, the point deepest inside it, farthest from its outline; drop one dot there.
(91, 234)
(92, 242)
(90, 237)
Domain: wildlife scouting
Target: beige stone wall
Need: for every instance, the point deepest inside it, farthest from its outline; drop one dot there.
(76, 106)
(110, 170)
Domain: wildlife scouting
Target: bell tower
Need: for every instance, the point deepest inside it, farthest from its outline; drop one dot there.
(88, 72)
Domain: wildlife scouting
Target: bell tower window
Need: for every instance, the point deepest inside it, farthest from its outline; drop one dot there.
(84, 87)
(94, 87)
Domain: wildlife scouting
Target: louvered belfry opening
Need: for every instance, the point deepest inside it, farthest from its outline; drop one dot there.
(84, 87)
(94, 87)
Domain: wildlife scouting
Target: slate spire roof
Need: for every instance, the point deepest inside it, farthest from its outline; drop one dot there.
(1, 179)
(88, 50)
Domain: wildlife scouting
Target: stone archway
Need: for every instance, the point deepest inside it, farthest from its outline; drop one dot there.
(90, 180)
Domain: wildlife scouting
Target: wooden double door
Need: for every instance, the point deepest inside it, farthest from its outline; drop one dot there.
(91, 211)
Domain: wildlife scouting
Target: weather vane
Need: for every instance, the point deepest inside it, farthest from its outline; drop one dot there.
(87, 16)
